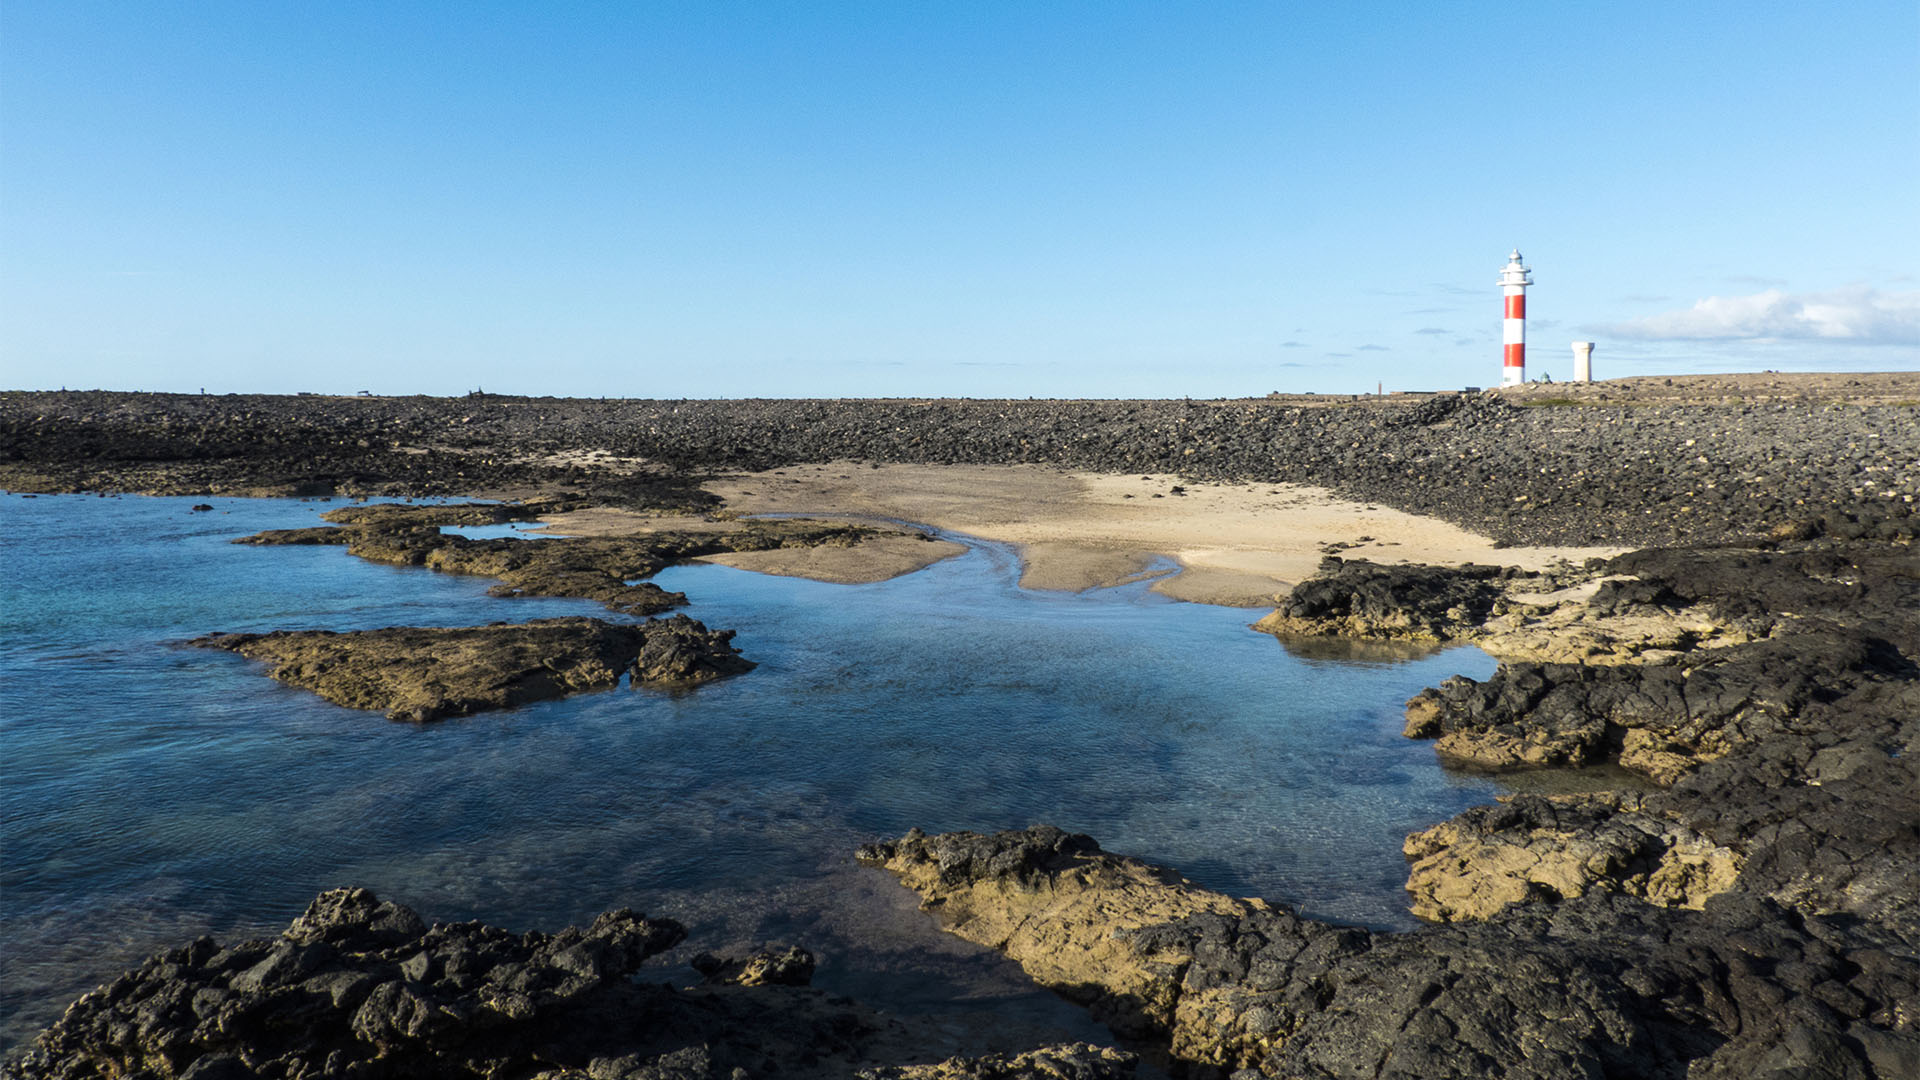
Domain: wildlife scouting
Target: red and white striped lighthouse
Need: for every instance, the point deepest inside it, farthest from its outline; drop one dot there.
(1513, 331)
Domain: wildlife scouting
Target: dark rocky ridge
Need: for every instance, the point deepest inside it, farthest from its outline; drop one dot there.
(1581, 473)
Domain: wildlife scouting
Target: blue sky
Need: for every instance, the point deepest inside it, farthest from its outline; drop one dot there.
(981, 199)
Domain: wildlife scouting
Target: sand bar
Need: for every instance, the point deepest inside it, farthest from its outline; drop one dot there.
(1235, 544)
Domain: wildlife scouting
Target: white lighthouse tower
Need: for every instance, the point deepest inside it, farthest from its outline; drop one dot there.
(1513, 331)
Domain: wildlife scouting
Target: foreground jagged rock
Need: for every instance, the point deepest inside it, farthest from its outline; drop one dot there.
(427, 673)
(1604, 985)
(362, 988)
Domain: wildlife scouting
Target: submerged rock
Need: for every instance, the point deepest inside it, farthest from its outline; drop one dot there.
(774, 965)
(1601, 985)
(1078, 1061)
(427, 673)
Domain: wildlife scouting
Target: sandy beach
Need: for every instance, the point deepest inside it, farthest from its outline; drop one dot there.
(1239, 545)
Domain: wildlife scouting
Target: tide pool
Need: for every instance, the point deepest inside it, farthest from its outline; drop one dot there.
(152, 792)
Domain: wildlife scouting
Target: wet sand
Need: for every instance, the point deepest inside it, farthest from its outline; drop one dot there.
(1240, 545)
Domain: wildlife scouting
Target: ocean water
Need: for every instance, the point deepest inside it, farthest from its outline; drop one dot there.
(150, 793)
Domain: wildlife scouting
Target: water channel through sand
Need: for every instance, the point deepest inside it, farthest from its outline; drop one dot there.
(153, 793)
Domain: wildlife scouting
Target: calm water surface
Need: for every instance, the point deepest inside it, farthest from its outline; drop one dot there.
(150, 793)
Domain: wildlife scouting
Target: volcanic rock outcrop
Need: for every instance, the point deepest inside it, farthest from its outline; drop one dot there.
(428, 673)
(359, 987)
(1771, 691)
(1602, 985)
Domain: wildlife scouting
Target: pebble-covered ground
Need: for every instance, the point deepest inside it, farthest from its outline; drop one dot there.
(1630, 468)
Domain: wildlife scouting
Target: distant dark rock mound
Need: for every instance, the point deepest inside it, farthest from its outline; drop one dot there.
(404, 515)
(1357, 598)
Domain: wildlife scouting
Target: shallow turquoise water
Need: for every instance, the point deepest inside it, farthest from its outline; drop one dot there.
(152, 792)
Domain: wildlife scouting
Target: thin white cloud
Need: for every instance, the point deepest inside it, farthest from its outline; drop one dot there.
(1858, 314)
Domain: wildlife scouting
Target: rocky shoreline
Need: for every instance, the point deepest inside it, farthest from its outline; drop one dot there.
(1753, 912)
(1582, 466)
(1756, 914)
(1602, 985)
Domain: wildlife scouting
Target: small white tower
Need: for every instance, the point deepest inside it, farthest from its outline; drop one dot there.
(1513, 331)
(1583, 361)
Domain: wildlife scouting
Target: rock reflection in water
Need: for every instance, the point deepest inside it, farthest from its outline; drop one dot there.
(1340, 650)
